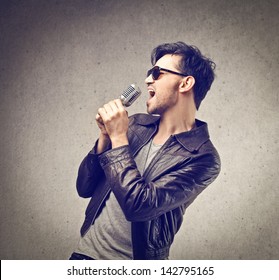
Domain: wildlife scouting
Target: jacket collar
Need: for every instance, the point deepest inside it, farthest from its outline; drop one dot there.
(191, 140)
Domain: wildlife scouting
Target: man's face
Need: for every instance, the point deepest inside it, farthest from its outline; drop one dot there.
(163, 92)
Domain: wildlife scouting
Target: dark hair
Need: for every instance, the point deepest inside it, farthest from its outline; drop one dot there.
(192, 63)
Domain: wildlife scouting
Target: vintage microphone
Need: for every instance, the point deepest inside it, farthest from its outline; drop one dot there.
(129, 95)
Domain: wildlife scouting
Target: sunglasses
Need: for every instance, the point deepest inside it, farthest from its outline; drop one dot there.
(156, 72)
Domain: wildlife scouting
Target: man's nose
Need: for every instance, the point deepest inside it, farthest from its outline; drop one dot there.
(149, 79)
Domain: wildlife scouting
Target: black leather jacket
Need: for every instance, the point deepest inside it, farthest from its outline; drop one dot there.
(155, 202)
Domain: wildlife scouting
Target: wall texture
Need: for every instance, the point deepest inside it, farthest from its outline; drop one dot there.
(61, 60)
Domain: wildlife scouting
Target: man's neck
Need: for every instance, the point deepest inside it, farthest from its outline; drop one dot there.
(171, 124)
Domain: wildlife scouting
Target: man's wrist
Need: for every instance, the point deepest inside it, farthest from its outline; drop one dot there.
(103, 143)
(120, 140)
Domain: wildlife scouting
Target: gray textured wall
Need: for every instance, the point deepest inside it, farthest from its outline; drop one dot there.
(61, 60)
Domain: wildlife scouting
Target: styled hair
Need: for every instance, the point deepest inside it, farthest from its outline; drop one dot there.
(192, 63)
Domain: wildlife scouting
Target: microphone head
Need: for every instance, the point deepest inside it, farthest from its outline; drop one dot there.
(130, 95)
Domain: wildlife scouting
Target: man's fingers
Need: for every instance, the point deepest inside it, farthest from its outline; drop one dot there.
(119, 104)
(99, 119)
(111, 110)
(101, 112)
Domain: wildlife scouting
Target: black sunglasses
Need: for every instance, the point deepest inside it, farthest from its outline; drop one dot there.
(156, 72)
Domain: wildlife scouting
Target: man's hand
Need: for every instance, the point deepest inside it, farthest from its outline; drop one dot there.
(114, 122)
(101, 125)
(104, 140)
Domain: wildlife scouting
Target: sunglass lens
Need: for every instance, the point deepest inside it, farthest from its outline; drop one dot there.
(155, 73)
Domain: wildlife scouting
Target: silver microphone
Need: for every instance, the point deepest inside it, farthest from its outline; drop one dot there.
(130, 95)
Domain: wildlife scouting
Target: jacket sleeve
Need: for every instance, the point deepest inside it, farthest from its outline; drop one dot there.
(90, 173)
(179, 184)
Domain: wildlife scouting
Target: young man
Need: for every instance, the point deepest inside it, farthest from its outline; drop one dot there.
(144, 171)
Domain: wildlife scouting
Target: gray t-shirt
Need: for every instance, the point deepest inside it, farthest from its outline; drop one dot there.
(109, 238)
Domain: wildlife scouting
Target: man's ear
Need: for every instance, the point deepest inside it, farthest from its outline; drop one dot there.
(187, 84)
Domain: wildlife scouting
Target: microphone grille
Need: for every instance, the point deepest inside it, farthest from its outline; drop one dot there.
(130, 95)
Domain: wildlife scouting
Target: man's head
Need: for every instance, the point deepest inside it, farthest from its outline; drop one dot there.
(191, 63)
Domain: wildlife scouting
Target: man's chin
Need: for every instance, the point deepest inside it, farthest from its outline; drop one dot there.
(150, 111)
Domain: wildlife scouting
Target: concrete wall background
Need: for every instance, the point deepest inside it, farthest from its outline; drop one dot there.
(61, 60)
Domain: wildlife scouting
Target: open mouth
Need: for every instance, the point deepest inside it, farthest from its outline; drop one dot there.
(151, 92)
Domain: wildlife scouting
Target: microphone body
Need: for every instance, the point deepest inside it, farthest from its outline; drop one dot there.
(130, 95)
